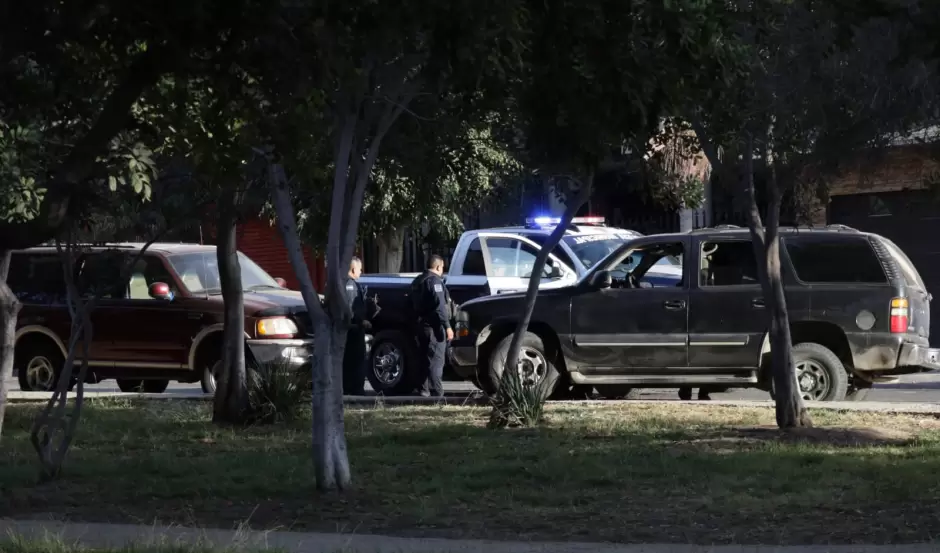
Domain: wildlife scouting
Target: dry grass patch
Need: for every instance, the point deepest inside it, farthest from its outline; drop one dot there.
(620, 472)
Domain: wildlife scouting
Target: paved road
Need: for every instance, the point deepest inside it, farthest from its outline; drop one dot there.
(919, 388)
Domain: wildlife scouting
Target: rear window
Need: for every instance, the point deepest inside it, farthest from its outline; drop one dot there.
(835, 261)
(904, 263)
(37, 278)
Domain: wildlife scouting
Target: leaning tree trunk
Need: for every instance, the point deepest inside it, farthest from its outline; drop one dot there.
(54, 428)
(790, 410)
(572, 206)
(231, 393)
(391, 249)
(9, 309)
(330, 456)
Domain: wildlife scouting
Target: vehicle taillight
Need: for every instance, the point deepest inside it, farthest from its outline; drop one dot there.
(899, 315)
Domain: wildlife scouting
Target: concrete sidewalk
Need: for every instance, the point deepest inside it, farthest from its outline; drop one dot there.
(119, 535)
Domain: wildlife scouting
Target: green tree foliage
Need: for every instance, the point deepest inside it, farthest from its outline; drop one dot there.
(600, 75)
(803, 87)
(71, 76)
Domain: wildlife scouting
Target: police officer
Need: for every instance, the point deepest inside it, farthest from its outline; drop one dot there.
(431, 302)
(354, 357)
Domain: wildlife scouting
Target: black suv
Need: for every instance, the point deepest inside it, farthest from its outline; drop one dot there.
(859, 314)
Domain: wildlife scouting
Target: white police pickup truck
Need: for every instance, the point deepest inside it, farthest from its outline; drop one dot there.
(486, 262)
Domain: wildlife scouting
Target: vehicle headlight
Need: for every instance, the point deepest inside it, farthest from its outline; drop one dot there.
(276, 327)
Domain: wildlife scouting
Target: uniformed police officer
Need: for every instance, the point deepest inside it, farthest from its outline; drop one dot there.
(431, 301)
(354, 358)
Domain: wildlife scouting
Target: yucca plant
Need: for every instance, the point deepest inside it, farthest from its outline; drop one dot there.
(276, 391)
(517, 404)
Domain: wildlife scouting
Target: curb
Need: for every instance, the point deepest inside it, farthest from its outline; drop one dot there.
(43, 397)
(930, 409)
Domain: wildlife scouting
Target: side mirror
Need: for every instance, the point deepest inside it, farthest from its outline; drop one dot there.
(281, 282)
(601, 280)
(160, 291)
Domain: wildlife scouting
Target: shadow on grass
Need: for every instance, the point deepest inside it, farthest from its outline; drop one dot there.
(438, 472)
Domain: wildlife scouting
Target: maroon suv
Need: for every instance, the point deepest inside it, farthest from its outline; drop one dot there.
(159, 322)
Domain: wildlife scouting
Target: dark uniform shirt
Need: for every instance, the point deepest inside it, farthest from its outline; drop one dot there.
(431, 300)
(356, 300)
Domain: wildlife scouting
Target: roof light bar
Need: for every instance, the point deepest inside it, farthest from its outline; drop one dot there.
(542, 221)
(589, 220)
(545, 221)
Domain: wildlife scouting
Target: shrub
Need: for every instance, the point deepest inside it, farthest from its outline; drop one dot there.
(518, 404)
(276, 391)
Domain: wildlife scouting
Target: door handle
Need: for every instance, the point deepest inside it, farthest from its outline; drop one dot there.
(674, 304)
(757, 303)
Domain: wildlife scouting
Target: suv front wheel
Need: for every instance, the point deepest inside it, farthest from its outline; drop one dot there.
(536, 364)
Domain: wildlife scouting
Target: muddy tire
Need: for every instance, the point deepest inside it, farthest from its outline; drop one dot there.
(537, 363)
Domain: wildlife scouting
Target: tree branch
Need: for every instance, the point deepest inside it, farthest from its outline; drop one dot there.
(78, 164)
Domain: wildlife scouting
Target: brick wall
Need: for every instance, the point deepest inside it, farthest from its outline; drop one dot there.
(896, 169)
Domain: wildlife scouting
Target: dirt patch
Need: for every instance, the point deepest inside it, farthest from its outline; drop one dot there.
(734, 439)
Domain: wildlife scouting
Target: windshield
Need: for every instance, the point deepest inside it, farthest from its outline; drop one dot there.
(591, 248)
(200, 273)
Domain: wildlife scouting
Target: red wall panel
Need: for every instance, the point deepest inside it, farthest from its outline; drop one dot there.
(260, 241)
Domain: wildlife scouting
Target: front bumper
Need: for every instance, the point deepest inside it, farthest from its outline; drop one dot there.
(294, 351)
(462, 355)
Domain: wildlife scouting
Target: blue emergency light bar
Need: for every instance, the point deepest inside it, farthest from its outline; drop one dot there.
(544, 221)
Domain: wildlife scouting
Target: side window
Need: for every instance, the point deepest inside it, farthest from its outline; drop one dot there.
(729, 263)
(511, 257)
(37, 278)
(148, 270)
(632, 265)
(503, 253)
(101, 276)
(473, 264)
(827, 261)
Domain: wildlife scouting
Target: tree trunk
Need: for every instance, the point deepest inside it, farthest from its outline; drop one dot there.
(9, 309)
(790, 410)
(54, 428)
(391, 249)
(571, 208)
(330, 457)
(231, 393)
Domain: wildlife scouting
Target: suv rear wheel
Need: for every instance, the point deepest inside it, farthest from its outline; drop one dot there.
(820, 374)
(38, 366)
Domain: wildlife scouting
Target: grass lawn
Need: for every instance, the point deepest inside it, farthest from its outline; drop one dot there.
(619, 472)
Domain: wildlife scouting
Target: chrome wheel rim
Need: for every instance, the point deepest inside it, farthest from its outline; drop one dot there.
(813, 380)
(532, 366)
(386, 363)
(40, 374)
